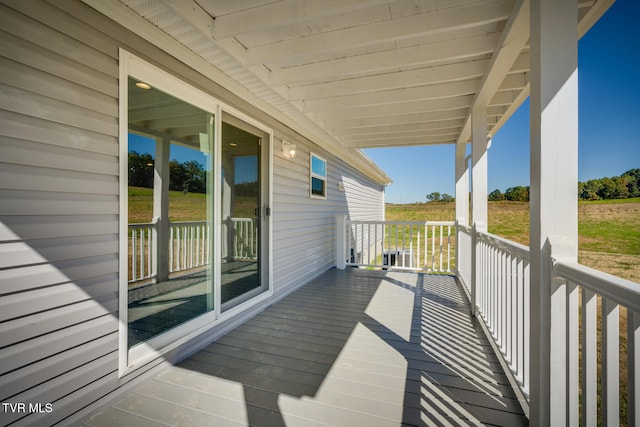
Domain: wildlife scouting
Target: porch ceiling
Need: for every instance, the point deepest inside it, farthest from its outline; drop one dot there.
(368, 73)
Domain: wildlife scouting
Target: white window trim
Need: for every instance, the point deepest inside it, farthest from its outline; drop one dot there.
(312, 175)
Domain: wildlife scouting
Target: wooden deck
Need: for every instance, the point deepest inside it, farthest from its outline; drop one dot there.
(351, 348)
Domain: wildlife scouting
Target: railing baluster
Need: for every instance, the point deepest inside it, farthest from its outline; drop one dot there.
(519, 314)
(572, 354)
(142, 253)
(418, 247)
(610, 360)
(134, 255)
(526, 384)
(433, 247)
(440, 230)
(633, 368)
(448, 248)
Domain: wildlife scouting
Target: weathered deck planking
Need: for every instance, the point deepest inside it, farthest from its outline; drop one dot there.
(354, 347)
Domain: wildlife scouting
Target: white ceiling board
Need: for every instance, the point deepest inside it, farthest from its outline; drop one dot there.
(368, 72)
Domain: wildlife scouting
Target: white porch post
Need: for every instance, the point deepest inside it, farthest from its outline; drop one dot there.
(554, 223)
(462, 184)
(341, 242)
(479, 168)
(462, 197)
(479, 216)
(161, 208)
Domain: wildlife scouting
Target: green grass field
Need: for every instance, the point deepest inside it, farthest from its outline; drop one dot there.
(182, 207)
(608, 231)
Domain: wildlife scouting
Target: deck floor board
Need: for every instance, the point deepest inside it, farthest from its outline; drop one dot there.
(353, 347)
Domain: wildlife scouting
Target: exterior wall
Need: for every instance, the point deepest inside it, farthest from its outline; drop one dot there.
(59, 206)
(305, 228)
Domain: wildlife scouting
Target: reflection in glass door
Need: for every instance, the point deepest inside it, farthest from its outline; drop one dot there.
(170, 210)
(242, 212)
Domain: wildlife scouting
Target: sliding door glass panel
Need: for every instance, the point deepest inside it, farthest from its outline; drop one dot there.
(241, 214)
(170, 206)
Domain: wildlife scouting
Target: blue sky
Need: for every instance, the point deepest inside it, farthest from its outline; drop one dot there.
(609, 121)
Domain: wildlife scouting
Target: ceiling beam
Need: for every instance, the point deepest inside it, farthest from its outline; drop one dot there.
(443, 90)
(394, 139)
(401, 143)
(450, 51)
(504, 97)
(380, 62)
(444, 20)
(428, 87)
(514, 39)
(409, 107)
(426, 126)
(285, 12)
(403, 119)
(595, 12)
(403, 134)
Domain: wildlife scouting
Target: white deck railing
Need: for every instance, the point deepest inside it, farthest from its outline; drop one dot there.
(142, 241)
(189, 246)
(244, 238)
(502, 299)
(463, 255)
(403, 245)
(582, 287)
(501, 292)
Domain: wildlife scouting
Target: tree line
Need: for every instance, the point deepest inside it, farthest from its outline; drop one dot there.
(618, 187)
(188, 176)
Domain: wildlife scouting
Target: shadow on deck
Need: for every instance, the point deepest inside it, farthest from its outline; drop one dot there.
(352, 347)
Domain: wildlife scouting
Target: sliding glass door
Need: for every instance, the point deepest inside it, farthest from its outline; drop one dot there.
(243, 211)
(170, 211)
(194, 217)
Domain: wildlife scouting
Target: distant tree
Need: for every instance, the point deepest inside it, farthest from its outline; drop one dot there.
(433, 197)
(633, 182)
(247, 189)
(613, 188)
(446, 198)
(517, 194)
(496, 196)
(177, 176)
(196, 177)
(590, 190)
(140, 169)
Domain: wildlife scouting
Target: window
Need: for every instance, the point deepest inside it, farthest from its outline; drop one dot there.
(318, 168)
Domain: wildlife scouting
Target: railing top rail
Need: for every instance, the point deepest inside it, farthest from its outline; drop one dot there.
(516, 248)
(142, 225)
(465, 228)
(621, 291)
(403, 222)
(188, 222)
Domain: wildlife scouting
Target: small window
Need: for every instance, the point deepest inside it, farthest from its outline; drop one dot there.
(318, 168)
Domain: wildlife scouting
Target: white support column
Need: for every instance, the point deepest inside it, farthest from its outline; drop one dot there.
(341, 242)
(554, 173)
(479, 184)
(479, 168)
(161, 208)
(462, 184)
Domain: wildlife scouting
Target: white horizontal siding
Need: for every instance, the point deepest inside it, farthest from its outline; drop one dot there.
(58, 210)
(59, 192)
(304, 228)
